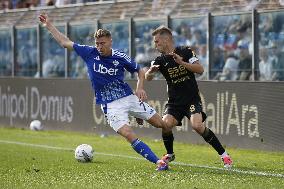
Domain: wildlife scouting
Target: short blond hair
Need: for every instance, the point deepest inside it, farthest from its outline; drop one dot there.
(162, 30)
(102, 33)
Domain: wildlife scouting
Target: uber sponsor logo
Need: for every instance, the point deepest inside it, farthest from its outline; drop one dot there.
(104, 70)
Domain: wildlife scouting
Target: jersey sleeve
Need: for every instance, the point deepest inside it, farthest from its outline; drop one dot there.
(192, 58)
(155, 62)
(130, 65)
(83, 50)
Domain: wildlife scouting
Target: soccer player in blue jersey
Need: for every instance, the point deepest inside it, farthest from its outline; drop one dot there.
(106, 71)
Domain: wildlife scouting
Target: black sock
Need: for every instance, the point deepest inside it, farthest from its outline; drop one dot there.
(168, 142)
(211, 138)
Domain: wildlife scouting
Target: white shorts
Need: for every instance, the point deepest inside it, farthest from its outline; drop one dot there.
(117, 112)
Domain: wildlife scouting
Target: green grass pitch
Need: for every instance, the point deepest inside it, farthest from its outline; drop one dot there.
(45, 159)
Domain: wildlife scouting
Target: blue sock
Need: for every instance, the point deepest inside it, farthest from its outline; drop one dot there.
(144, 150)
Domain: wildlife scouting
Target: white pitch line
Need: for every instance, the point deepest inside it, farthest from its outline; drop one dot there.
(258, 173)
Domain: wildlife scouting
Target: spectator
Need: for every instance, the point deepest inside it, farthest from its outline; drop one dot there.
(230, 69)
(5, 4)
(79, 70)
(5, 64)
(26, 3)
(23, 61)
(47, 68)
(243, 34)
(199, 37)
(183, 35)
(144, 59)
(53, 66)
(202, 56)
(265, 65)
(245, 64)
(230, 42)
(277, 61)
(217, 62)
(49, 2)
(266, 23)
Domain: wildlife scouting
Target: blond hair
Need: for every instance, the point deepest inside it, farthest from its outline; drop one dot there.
(102, 33)
(162, 30)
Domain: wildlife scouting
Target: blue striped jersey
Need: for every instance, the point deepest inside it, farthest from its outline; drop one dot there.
(107, 72)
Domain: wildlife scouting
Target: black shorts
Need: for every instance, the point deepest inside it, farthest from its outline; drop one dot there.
(180, 111)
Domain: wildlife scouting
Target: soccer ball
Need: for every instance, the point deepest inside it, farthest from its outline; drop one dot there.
(36, 125)
(84, 153)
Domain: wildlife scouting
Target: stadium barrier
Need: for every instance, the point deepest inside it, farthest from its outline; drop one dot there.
(28, 50)
(242, 114)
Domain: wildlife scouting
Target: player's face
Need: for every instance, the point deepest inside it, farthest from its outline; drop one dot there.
(103, 44)
(160, 42)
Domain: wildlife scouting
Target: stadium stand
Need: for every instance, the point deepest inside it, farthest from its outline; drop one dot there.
(269, 4)
(121, 10)
(30, 16)
(194, 7)
(91, 11)
(11, 17)
(156, 8)
(187, 18)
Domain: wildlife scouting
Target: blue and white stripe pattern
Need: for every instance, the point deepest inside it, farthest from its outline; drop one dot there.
(107, 72)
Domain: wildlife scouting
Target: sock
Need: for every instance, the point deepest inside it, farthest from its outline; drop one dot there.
(211, 138)
(168, 140)
(144, 150)
(224, 154)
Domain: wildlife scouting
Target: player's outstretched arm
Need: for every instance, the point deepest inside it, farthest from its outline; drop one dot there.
(58, 36)
(140, 92)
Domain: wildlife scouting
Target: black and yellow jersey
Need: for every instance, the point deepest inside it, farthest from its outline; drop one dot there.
(182, 85)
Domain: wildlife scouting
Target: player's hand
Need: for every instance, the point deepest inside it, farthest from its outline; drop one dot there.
(141, 94)
(153, 69)
(43, 18)
(177, 58)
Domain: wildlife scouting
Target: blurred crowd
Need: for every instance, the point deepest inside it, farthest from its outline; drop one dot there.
(233, 48)
(15, 4)
(232, 51)
(232, 45)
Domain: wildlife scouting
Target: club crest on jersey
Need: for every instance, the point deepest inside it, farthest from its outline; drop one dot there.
(115, 63)
(97, 58)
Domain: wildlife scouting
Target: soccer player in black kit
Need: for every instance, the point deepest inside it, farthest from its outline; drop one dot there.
(178, 65)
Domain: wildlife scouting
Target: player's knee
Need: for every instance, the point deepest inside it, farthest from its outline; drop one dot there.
(157, 121)
(198, 126)
(170, 122)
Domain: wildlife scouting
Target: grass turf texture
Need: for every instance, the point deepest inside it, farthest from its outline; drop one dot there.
(24, 166)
